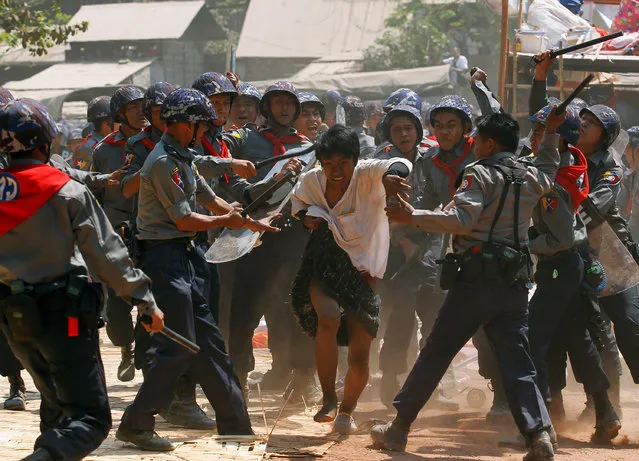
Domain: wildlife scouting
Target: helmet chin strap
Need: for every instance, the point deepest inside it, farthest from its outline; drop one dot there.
(192, 142)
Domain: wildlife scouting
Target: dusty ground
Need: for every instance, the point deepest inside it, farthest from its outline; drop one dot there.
(436, 436)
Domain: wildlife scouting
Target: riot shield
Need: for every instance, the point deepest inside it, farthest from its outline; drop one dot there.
(618, 147)
(232, 244)
(621, 269)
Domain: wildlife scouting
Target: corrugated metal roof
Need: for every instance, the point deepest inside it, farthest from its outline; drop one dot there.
(323, 67)
(136, 21)
(377, 85)
(311, 28)
(314, 28)
(79, 75)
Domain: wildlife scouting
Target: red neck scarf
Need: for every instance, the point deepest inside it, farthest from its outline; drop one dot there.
(25, 189)
(450, 169)
(110, 139)
(146, 141)
(84, 141)
(278, 142)
(210, 149)
(574, 178)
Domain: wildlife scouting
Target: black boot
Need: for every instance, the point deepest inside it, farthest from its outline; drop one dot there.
(520, 442)
(541, 448)
(388, 389)
(391, 436)
(184, 410)
(17, 394)
(144, 440)
(126, 369)
(607, 422)
(499, 412)
(39, 455)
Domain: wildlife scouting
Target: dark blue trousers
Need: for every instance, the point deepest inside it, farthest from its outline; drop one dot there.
(9, 364)
(503, 311)
(180, 277)
(623, 311)
(74, 412)
(119, 325)
(555, 310)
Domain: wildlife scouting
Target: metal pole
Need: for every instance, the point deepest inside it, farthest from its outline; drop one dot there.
(520, 14)
(233, 58)
(502, 49)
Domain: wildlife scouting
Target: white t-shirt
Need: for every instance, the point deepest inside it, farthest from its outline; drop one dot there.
(459, 63)
(358, 220)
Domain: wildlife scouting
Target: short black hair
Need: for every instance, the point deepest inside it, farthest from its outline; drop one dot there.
(502, 128)
(339, 139)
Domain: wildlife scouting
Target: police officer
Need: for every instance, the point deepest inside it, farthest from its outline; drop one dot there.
(141, 144)
(290, 347)
(374, 113)
(559, 239)
(331, 100)
(50, 310)
(355, 115)
(410, 283)
(108, 156)
(10, 367)
(609, 352)
(600, 126)
(221, 93)
(311, 117)
(402, 96)
(183, 410)
(167, 223)
(490, 224)
(245, 108)
(99, 115)
(451, 119)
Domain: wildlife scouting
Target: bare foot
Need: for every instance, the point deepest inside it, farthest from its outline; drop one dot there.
(327, 413)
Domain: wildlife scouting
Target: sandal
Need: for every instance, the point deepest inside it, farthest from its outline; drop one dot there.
(344, 424)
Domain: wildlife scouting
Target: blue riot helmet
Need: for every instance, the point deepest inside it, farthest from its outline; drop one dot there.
(25, 125)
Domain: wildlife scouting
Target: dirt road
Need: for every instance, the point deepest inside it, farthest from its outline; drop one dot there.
(439, 436)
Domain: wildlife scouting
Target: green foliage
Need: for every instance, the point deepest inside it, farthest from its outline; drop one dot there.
(419, 35)
(35, 28)
(229, 14)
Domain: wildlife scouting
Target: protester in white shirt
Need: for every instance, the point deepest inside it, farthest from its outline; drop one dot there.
(458, 66)
(343, 202)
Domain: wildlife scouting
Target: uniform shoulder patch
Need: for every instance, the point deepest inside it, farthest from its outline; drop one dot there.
(467, 181)
(549, 203)
(9, 187)
(610, 177)
(177, 179)
(79, 164)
